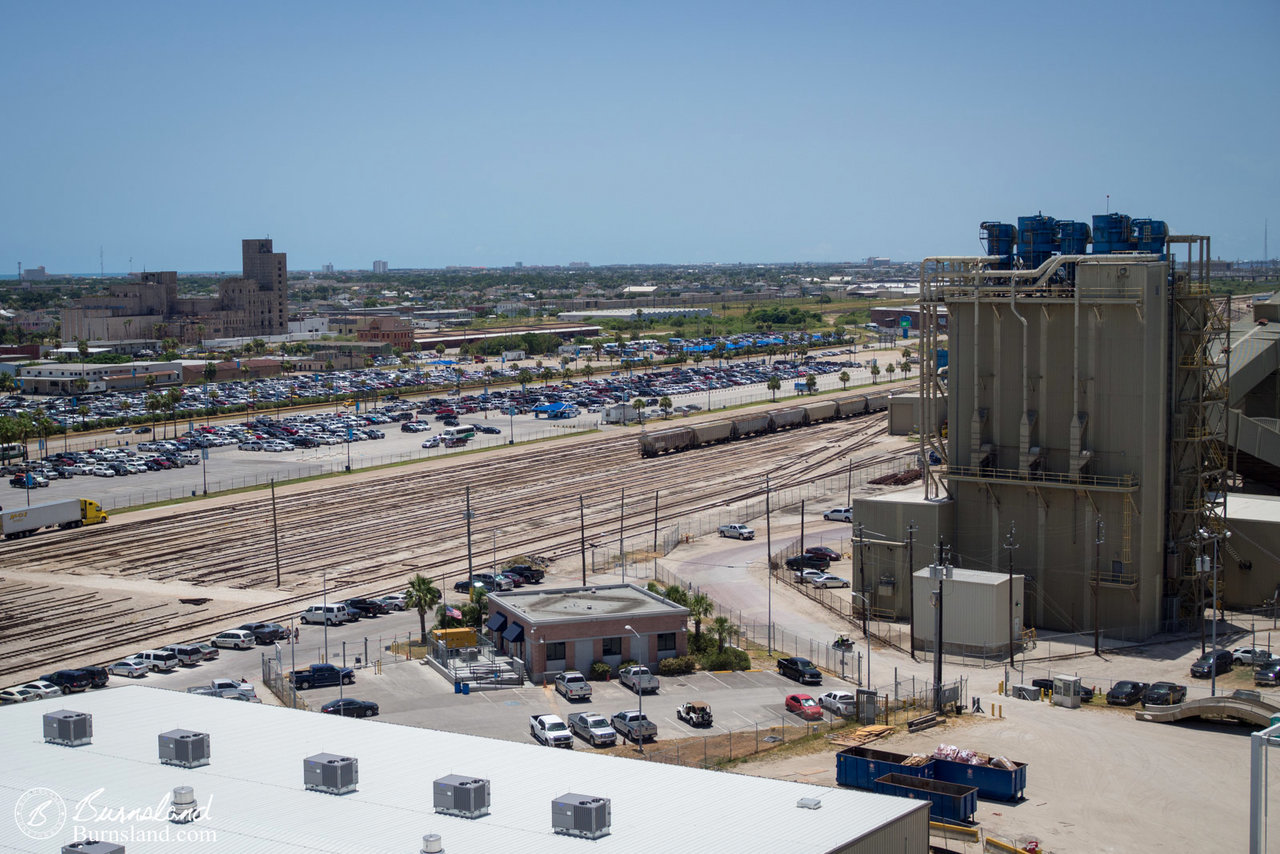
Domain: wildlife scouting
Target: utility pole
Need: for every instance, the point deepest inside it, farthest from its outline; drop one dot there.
(275, 529)
(622, 517)
(1097, 579)
(768, 557)
(655, 524)
(941, 572)
(848, 500)
(582, 537)
(862, 582)
(1010, 546)
(467, 514)
(911, 586)
(801, 526)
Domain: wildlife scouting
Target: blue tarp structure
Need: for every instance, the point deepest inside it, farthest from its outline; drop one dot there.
(555, 410)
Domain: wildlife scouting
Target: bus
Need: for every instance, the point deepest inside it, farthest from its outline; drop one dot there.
(462, 431)
(10, 451)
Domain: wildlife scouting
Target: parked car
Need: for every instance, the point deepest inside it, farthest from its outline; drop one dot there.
(466, 587)
(158, 660)
(593, 728)
(530, 574)
(1215, 662)
(1267, 674)
(839, 514)
(329, 615)
(21, 695)
(366, 607)
(208, 650)
(188, 654)
(572, 685)
(350, 707)
(1126, 693)
(265, 633)
(804, 706)
(42, 689)
(839, 702)
(70, 681)
(128, 667)
(807, 561)
(695, 713)
(801, 670)
(638, 679)
(431, 442)
(805, 576)
(829, 554)
(493, 582)
(1164, 694)
(826, 580)
(551, 731)
(634, 726)
(234, 639)
(321, 676)
(1250, 656)
(738, 532)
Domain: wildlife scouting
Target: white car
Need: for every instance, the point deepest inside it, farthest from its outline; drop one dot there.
(1254, 657)
(839, 514)
(42, 689)
(393, 601)
(433, 442)
(17, 695)
(839, 702)
(825, 580)
(737, 531)
(120, 431)
(807, 576)
(235, 639)
(251, 445)
(128, 667)
(103, 471)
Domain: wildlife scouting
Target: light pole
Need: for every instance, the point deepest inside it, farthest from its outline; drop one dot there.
(324, 581)
(639, 693)
(866, 605)
(496, 532)
(768, 558)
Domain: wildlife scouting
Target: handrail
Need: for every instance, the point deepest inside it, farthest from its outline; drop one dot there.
(1049, 478)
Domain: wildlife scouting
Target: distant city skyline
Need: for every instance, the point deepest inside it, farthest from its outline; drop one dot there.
(483, 135)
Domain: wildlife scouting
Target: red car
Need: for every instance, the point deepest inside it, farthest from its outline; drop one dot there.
(804, 706)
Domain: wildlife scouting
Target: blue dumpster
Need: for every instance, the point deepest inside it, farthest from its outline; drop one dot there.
(991, 782)
(947, 801)
(457, 687)
(860, 766)
(466, 687)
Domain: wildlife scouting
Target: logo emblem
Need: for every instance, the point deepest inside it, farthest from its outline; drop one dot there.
(40, 813)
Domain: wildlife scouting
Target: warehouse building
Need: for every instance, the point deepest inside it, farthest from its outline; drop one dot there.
(374, 787)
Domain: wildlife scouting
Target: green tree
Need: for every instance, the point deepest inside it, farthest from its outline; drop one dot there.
(906, 369)
(422, 596)
(722, 629)
(210, 371)
(811, 383)
(844, 379)
(638, 406)
(700, 607)
(665, 405)
(546, 376)
(890, 368)
(7, 383)
(675, 593)
(774, 385)
(524, 377)
(440, 348)
(875, 372)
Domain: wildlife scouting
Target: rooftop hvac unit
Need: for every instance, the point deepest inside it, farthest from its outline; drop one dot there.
(89, 846)
(580, 815)
(184, 748)
(466, 797)
(68, 728)
(328, 772)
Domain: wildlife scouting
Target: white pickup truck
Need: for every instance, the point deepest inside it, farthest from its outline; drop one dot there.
(550, 730)
(572, 685)
(737, 531)
(638, 679)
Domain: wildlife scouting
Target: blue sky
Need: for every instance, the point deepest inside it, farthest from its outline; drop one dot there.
(437, 133)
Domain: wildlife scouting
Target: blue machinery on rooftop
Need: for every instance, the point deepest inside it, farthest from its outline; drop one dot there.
(1035, 239)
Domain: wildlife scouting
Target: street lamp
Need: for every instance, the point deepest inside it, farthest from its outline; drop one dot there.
(1202, 535)
(639, 692)
(495, 532)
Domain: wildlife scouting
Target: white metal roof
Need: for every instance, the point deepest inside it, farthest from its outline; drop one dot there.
(574, 603)
(256, 801)
(971, 576)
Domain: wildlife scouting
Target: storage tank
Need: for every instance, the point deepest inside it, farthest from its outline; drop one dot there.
(1037, 239)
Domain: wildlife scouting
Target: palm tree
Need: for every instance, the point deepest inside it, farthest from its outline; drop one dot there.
(875, 372)
(811, 383)
(722, 628)
(665, 405)
(700, 607)
(844, 379)
(774, 385)
(906, 368)
(675, 593)
(524, 377)
(422, 596)
(7, 383)
(890, 368)
(638, 406)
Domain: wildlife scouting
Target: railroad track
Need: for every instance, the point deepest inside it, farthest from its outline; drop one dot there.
(409, 521)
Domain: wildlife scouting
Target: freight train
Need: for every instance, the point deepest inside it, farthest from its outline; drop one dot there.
(751, 424)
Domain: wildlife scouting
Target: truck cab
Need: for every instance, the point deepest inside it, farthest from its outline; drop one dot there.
(572, 685)
(551, 731)
(638, 679)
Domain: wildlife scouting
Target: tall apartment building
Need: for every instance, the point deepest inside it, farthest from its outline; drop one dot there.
(379, 266)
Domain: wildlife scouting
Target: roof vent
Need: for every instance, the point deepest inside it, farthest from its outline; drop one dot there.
(68, 728)
(580, 815)
(465, 797)
(809, 803)
(431, 844)
(327, 772)
(90, 846)
(184, 748)
(183, 809)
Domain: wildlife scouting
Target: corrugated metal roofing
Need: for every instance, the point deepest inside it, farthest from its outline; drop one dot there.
(254, 794)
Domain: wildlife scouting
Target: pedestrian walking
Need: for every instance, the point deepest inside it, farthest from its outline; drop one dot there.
(295, 634)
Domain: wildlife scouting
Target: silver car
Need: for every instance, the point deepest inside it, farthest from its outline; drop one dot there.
(128, 667)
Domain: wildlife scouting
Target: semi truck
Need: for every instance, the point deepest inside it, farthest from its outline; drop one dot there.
(67, 513)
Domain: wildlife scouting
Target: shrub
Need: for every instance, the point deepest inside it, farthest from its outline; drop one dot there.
(599, 671)
(630, 662)
(701, 644)
(729, 659)
(681, 666)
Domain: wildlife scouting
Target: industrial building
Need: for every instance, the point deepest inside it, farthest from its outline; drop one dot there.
(256, 304)
(255, 778)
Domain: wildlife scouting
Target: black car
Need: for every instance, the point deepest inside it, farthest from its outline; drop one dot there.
(70, 681)
(1126, 693)
(808, 561)
(1164, 694)
(1046, 685)
(265, 633)
(1215, 662)
(1267, 674)
(801, 670)
(526, 572)
(465, 586)
(485, 428)
(828, 554)
(366, 607)
(350, 707)
(98, 676)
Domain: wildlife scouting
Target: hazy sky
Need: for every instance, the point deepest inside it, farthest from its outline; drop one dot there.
(435, 133)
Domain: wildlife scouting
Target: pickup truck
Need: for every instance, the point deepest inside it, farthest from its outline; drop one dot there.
(321, 675)
(638, 679)
(593, 728)
(737, 531)
(695, 713)
(634, 726)
(572, 685)
(217, 686)
(550, 730)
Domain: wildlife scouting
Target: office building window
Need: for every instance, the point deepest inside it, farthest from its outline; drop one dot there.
(666, 642)
(555, 651)
(611, 646)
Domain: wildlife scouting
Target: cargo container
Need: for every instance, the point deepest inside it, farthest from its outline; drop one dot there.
(68, 513)
(862, 766)
(947, 801)
(661, 441)
(784, 419)
(714, 431)
(823, 410)
(990, 781)
(749, 425)
(852, 406)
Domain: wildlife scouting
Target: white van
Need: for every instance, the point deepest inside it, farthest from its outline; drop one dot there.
(158, 659)
(329, 615)
(191, 458)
